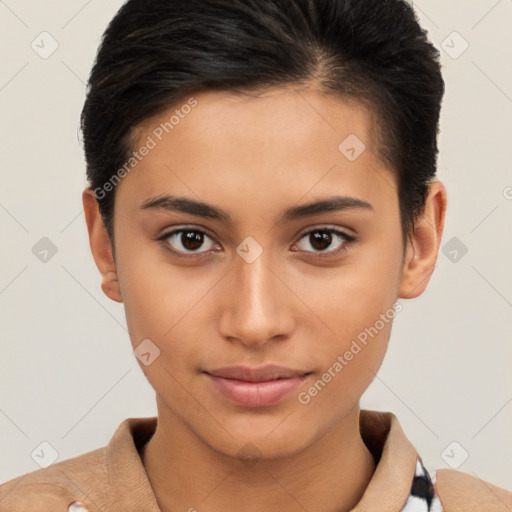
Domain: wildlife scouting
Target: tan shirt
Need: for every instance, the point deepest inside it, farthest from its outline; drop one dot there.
(113, 478)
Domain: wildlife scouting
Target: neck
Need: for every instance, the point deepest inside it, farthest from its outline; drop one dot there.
(330, 475)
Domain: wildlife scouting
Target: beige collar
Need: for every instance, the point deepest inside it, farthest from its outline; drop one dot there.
(387, 491)
(390, 485)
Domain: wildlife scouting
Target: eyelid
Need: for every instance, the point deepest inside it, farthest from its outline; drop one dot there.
(180, 229)
(349, 240)
(186, 227)
(327, 227)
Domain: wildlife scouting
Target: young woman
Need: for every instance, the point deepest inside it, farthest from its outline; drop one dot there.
(262, 196)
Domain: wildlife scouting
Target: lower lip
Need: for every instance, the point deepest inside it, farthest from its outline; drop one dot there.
(256, 394)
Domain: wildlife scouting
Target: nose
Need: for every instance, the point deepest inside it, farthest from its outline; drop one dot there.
(257, 307)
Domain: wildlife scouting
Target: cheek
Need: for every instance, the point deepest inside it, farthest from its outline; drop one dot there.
(358, 304)
(170, 307)
(163, 308)
(350, 298)
(157, 296)
(348, 365)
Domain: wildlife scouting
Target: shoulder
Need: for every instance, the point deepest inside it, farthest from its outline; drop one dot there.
(108, 478)
(462, 492)
(55, 487)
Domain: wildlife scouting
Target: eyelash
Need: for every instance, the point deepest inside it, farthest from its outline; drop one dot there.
(322, 254)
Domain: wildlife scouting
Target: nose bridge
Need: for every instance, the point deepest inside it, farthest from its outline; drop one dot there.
(256, 310)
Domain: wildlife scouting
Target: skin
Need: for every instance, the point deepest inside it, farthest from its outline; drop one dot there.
(255, 157)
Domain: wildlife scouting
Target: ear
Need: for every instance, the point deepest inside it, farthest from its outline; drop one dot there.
(423, 245)
(101, 247)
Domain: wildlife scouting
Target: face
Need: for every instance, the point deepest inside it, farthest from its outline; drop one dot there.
(260, 276)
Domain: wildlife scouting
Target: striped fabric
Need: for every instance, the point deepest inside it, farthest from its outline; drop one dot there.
(423, 496)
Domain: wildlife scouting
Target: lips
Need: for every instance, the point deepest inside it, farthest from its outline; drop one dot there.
(266, 373)
(256, 387)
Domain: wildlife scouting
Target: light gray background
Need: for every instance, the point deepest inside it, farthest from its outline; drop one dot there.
(68, 373)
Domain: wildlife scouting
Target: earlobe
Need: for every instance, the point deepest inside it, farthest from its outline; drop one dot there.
(424, 242)
(101, 247)
(110, 285)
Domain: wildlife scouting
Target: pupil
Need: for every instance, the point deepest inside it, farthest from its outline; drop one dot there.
(321, 239)
(192, 240)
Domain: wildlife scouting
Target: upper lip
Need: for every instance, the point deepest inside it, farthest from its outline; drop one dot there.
(265, 373)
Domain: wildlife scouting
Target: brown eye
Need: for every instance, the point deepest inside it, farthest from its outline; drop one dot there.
(186, 242)
(191, 240)
(321, 239)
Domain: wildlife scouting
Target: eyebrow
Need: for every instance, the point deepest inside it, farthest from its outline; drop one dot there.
(185, 205)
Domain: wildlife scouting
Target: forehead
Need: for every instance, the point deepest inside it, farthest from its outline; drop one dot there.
(277, 145)
(265, 116)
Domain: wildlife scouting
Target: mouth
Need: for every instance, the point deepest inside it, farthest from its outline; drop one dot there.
(256, 387)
